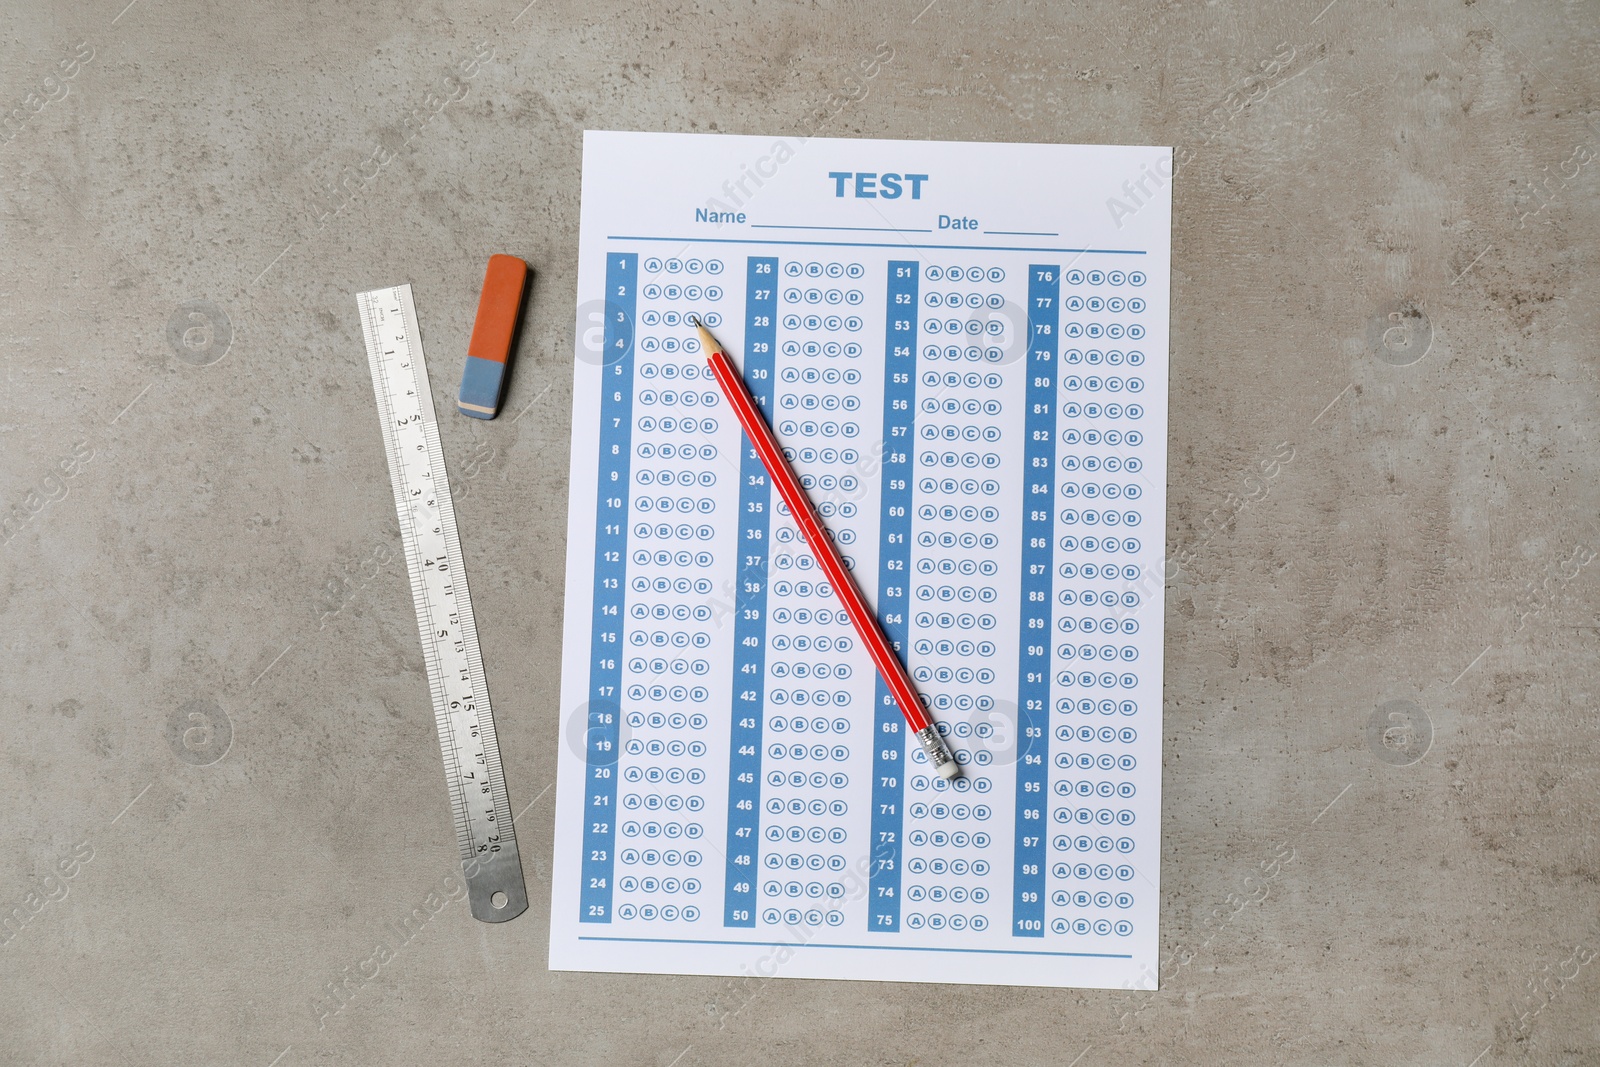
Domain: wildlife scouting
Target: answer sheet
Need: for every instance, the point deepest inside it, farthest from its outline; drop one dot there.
(964, 349)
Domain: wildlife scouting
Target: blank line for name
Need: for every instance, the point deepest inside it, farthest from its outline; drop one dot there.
(862, 229)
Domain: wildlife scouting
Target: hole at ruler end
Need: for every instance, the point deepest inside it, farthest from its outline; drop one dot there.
(499, 900)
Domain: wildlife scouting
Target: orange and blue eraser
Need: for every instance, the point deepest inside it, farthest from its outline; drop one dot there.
(484, 378)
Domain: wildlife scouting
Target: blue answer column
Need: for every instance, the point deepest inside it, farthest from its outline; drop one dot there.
(750, 612)
(894, 594)
(1033, 690)
(610, 570)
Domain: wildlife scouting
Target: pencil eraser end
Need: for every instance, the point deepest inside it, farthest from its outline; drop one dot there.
(950, 770)
(484, 377)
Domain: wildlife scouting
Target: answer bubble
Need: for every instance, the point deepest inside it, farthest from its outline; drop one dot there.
(994, 731)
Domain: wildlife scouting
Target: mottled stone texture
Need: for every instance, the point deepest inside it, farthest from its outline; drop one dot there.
(1383, 489)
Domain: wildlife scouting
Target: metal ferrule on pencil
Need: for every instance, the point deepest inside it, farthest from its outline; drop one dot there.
(938, 752)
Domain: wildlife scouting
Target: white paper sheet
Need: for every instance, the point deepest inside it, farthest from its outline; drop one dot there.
(965, 348)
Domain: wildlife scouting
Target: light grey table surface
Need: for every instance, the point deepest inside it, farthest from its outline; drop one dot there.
(1384, 289)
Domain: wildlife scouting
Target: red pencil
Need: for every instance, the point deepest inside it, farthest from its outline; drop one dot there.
(827, 555)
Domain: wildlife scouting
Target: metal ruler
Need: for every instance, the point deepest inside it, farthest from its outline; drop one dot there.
(487, 842)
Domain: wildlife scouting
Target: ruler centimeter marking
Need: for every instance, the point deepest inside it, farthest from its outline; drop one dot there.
(481, 809)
